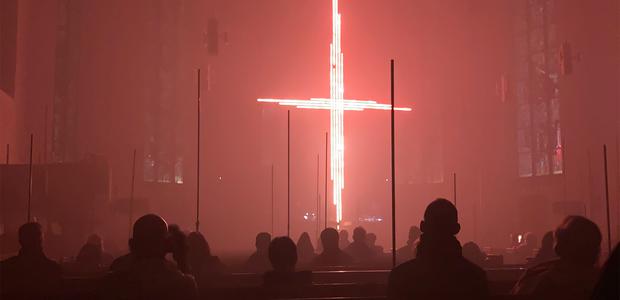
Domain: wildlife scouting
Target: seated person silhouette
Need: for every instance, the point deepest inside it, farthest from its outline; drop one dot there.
(331, 255)
(89, 260)
(283, 258)
(359, 249)
(371, 241)
(305, 250)
(608, 285)
(472, 252)
(30, 274)
(97, 241)
(206, 268)
(439, 270)
(573, 275)
(408, 251)
(145, 273)
(546, 251)
(259, 260)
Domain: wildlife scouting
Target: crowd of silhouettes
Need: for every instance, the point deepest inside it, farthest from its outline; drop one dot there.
(165, 263)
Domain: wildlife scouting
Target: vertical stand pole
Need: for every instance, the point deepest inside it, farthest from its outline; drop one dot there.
(607, 200)
(288, 177)
(318, 198)
(326, 216)
(198, 158)
(131, 195)
(393, 165)
(272, 199)
(454, 187)
(30, 178)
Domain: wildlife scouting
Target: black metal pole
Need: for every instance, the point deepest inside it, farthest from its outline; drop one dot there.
(607, 200)
(30, 178)
(131, 195)
(393, 164)
(288, 176)
(45, 136)
(198, 158)
(318, 198)
(326, 216)
(454, 187)
(272, 200)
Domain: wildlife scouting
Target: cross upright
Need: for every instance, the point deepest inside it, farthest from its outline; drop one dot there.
(336, 104)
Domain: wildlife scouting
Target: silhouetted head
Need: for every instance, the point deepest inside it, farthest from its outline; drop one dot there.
(283, 254)
(329, 239)
(547, 241)
(149, 236)
(414, 233)
(94, 239)
(344, 235)
(578, 240)
(371, 239)
(31, 237)
(262, 241)
(359, 234)
(304, 243)
(441, 218)
(472, 252)
(197, 244)
(90, 255)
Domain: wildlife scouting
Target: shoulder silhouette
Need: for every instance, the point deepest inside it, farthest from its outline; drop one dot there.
(331, 255)
(258, 262)
(359, 249)
(283, 258)
(439, 270)
(145, 273)
(206, 268)
(574, 273)
(305, 249)
(30, 274)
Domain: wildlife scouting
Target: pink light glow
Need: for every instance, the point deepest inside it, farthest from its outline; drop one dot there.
(336, 104)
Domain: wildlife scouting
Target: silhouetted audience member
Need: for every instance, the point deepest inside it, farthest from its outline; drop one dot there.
(526, 249)
(97, 241)
(608, 285)
(259, 260)
(439, 271)
(574, 274)
(472, 252)
(145, 273)
(30, 274)
(206, 268)
(343, 241)
(331, 255)
(89, 260)
(371, 241)
(305, 250)
(408, 251)
(546, 251)
(283, 258)
(359, 249)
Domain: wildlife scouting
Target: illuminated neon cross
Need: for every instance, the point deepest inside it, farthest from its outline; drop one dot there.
(336, 104)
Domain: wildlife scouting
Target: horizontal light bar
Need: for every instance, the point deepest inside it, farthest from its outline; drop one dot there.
(322, 103)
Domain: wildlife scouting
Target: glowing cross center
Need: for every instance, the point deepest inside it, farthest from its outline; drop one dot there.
(336, 104)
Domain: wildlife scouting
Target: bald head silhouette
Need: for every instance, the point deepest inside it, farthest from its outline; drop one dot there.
(149, 236)
(329, 239)
(441, 218)
(31, 237)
